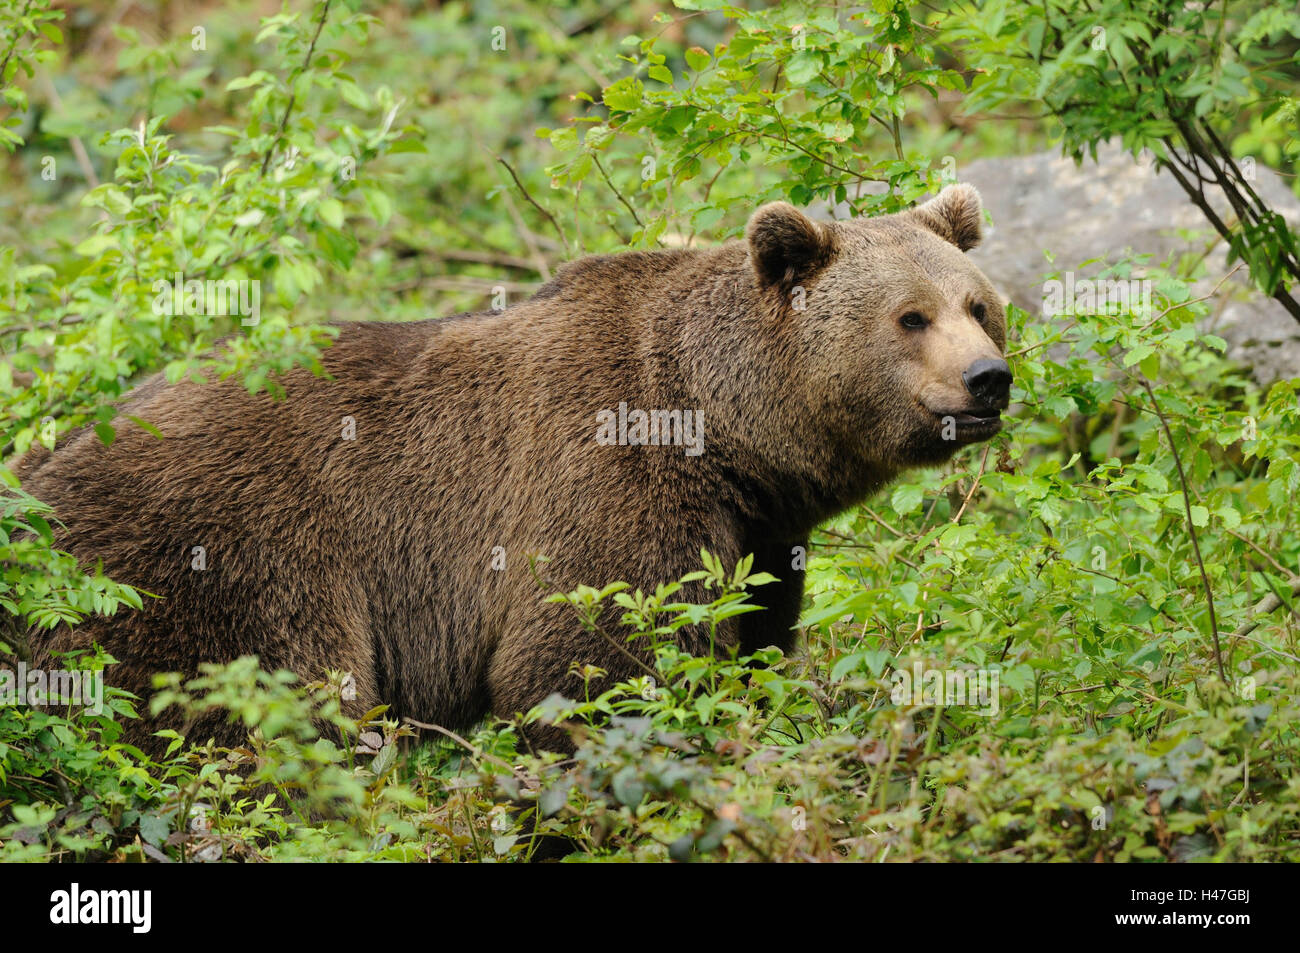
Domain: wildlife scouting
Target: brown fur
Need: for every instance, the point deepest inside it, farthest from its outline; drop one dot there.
(374, 555)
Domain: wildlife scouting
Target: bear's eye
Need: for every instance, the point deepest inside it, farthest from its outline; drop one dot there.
(978, 312)
(914, 320)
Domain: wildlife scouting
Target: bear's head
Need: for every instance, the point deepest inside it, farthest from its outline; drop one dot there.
(900, 334)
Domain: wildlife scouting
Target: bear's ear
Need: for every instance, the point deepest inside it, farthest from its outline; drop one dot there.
(955, 215)
(786, 245)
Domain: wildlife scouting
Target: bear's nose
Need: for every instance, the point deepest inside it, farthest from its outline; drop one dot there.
(989, 381)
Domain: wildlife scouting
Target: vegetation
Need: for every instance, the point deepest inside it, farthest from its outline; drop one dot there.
(1120, 566)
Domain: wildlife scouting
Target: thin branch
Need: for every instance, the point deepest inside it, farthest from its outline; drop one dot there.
(1191, 528)
(613, 188)
(879, 519)
(468, 283)
(1268, 648)
(1259, 549)
(293, 94)
(472, 749)
(529, 237)
(1197, 195)
(1205, 297)
(78, 148)
(974, 486)
(537, 205)
(1261, 609)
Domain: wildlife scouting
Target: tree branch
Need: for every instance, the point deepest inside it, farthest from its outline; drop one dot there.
(306, 65)
(1191, 528)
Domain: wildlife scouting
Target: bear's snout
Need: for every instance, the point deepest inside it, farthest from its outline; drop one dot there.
(988, 380)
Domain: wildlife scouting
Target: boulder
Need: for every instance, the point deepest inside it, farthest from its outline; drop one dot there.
(1119, 205)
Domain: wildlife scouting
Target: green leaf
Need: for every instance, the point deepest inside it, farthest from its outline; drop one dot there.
(145, 426)
(624, 95)
(154, 829)
(331, 212)
(906, 498)
(96, 245)
(697, 59)
(803, 67)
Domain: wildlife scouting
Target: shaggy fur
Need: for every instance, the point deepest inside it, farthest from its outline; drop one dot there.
(375, 555)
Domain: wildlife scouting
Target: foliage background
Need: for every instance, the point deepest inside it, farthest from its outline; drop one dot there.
(1119, 556)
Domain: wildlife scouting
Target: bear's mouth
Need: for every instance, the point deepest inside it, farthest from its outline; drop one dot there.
(971, 423)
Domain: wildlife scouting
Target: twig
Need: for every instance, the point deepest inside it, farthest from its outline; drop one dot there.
(1184, 304)
(1049, 340)
(293, 93)
(613, 188)
(468, 283)
(786, 140)
(477, 752)
(1191, 529)
(78, 150)
(974, 486)
(1197, 194)
(1263, 608)
(526, 233)
(535, 204)
(1268, 648)
(879, 519)
(500, 260)
(1262, 552)
(565, 38)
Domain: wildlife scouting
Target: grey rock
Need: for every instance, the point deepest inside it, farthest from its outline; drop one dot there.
(1116, 206)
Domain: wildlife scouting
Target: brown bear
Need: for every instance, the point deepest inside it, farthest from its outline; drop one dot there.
(639, 407)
